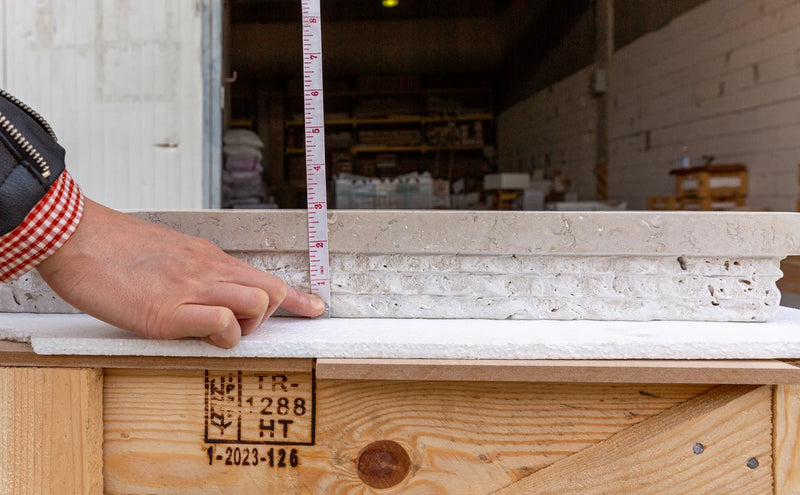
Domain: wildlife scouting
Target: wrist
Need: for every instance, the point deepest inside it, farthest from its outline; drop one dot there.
(44, 230)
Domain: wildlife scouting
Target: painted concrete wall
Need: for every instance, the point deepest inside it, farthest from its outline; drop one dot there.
(723, 79)
(554, 131)
(121, 83)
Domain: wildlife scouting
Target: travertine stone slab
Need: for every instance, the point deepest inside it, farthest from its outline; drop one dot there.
(507, 265)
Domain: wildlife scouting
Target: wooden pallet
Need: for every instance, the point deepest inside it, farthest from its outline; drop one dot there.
(711, 181)
(237, 426)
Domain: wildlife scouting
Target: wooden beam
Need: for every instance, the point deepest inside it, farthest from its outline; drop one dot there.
(752, 372)
(51, 431)
(21, 354)
(786, 439)
(719, 442)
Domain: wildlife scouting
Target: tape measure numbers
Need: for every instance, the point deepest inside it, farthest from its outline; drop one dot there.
(316, 194)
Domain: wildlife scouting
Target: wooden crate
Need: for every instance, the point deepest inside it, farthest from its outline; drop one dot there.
(711, 181)
(127, 425)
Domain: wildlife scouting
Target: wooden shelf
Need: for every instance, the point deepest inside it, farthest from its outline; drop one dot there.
(403, 122)
(424, 148)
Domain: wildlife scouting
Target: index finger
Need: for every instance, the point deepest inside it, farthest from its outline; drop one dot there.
(301, 303)
(296, 301)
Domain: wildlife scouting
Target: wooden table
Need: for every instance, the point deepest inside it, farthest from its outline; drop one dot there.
(135, 425)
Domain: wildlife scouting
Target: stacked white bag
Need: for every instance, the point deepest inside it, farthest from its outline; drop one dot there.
(242, 173)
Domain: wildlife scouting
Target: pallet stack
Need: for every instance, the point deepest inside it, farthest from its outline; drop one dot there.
(711, 187)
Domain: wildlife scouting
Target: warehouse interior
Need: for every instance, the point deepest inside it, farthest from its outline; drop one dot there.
(572, 104)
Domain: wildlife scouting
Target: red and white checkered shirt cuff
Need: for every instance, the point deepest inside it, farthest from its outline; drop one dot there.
(45, 229)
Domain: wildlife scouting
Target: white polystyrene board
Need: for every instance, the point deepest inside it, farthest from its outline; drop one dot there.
(444, 339)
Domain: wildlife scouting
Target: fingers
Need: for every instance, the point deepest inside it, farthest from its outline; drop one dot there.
(250, 305)
(236, 311)
(224, 311)
(278, 290)
(280, 294)
(216, 325)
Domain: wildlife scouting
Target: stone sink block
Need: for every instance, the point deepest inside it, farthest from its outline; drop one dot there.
(712, 266)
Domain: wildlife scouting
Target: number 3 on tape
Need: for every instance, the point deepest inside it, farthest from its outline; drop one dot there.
(316, 183)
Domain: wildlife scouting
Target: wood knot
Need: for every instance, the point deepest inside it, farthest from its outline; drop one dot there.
(383, 464)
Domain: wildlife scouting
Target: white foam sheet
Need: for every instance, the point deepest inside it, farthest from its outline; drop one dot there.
(444, 339)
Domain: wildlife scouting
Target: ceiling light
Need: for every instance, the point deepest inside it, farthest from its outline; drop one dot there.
(390, 3)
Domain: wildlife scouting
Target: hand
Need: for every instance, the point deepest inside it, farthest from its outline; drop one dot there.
(162, 284)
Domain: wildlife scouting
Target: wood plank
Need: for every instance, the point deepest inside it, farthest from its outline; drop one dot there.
(51, 431)
(21, 354)
(753, 372)
(786, 439)
(732, 423)
(460, 437)
(472, 437)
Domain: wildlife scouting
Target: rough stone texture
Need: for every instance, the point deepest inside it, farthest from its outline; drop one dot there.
(507, 265)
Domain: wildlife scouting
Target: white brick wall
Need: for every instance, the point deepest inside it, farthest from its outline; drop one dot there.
(553, 130)
(723, 79)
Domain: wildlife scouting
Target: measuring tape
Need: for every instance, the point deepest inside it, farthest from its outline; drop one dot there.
(316, 195)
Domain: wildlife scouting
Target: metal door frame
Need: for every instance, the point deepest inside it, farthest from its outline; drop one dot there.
(213, 100)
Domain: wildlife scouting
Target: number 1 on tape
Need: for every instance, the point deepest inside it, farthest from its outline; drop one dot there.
(316, 183)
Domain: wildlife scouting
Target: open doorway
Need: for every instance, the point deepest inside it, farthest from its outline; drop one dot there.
(409, 102)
